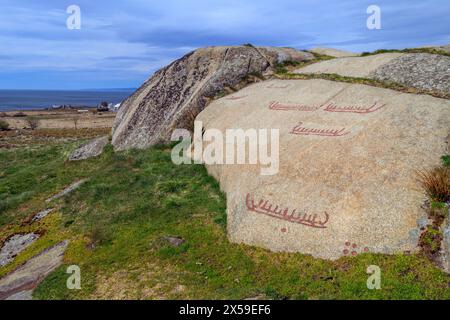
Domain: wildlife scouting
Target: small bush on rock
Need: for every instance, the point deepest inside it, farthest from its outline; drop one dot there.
(436, 183)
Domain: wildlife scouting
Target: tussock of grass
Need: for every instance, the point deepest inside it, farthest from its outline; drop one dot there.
(436, 183)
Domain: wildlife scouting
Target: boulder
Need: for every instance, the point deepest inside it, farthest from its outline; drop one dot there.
(15, 245)
(348, 155)
(90, 150)
(19, 283)
(416, 70)
(174, 95)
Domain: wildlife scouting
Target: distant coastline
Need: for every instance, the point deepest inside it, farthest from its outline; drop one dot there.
(21, 100)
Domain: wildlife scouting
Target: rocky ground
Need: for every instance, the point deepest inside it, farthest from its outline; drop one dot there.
(418, 70)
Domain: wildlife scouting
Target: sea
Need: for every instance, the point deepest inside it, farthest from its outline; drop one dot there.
(14, 100)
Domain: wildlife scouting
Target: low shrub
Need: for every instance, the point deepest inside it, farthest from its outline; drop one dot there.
(4, 126)
(32, 123)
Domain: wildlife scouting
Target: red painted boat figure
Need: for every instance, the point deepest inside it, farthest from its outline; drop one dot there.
(331, 107)
(275, 211)
(301, 130)
(291, 107)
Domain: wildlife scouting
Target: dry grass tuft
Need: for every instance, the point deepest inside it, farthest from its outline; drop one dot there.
(436, 183)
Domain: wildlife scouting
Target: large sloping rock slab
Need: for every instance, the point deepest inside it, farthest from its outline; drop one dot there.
(358, 187)
(173, 96)
(337, 53)
(360, 67)
(20, 282)
(15, 245)
(417, 70)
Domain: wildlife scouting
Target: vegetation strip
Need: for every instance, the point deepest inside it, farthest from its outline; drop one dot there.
(365, 81)
(413, 50)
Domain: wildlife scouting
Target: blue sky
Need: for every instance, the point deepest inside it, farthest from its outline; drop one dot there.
(121, 43)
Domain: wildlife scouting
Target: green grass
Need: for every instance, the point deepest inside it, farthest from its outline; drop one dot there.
(446, 160)
(116, 220)
(287, 66)
(409, 50)
(358, 80)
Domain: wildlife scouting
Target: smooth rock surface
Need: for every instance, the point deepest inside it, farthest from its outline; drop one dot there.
(90, 150)
(357, 188)
(174, 95)
(334, 52)
(29, 275)
(416, 70)
(360, 67)
(14, 245)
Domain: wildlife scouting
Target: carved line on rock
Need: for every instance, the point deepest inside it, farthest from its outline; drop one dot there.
(264, 207)
(295, 107)
(331, 107)
(300, 130)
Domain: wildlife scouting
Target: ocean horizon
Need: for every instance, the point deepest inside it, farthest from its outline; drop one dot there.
(16, 100)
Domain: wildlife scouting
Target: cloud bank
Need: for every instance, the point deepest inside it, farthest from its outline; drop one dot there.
(120, 44)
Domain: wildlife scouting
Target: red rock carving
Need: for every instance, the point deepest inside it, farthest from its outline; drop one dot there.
(354, 246)
(301, 130)
(264, 207)
(331, 107)
(291, 107)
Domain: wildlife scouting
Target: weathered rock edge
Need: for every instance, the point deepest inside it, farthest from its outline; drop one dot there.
(174, 95)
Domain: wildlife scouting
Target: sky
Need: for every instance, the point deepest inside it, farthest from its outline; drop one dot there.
(122, 43)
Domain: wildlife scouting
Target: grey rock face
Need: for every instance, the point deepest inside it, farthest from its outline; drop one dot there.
(22, 295)
(89, 150)
(174, 95)
(418, 70)
(67, 190)
(41, 215)
(24, 279)
(174, 241)
(14, 245)
(445, 251)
